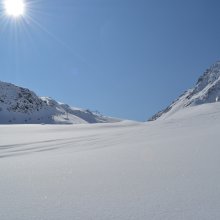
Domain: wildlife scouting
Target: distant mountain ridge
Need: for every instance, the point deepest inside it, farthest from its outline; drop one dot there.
(20, 106)
(206, 90)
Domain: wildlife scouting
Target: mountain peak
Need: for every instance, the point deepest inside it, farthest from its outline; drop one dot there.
(210, 76)
(206, 90)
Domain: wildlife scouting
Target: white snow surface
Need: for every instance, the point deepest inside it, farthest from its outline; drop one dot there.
(162, 170)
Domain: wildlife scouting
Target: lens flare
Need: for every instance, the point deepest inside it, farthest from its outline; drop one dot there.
(14, 8)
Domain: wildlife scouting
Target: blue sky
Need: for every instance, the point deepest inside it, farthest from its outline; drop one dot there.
(125, 58)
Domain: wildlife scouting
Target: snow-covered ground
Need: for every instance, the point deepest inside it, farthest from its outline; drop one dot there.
(167, 169)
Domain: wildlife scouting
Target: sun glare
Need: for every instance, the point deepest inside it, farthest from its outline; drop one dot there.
(14, 8)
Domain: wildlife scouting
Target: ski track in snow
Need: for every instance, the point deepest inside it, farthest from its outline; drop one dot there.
(162, 170)
(72, 139)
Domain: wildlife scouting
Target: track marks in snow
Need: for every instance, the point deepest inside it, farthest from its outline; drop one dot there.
(46, 145)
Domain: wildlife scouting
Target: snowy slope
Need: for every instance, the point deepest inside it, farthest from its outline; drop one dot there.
(22, 106)
(162, 170)
(207, 90)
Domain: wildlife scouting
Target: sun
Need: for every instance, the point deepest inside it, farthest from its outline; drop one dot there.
(14, 8)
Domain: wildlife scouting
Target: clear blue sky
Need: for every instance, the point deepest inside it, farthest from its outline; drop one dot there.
(125, 58)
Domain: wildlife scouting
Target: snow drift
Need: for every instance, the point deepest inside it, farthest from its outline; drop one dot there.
(157, 170)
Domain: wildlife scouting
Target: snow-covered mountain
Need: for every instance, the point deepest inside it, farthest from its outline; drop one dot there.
(207, 90)
(22, 106)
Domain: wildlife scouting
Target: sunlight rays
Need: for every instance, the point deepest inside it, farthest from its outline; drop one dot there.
(25, 26)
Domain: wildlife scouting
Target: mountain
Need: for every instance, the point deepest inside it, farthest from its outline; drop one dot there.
(206, 90)
(22, 106)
